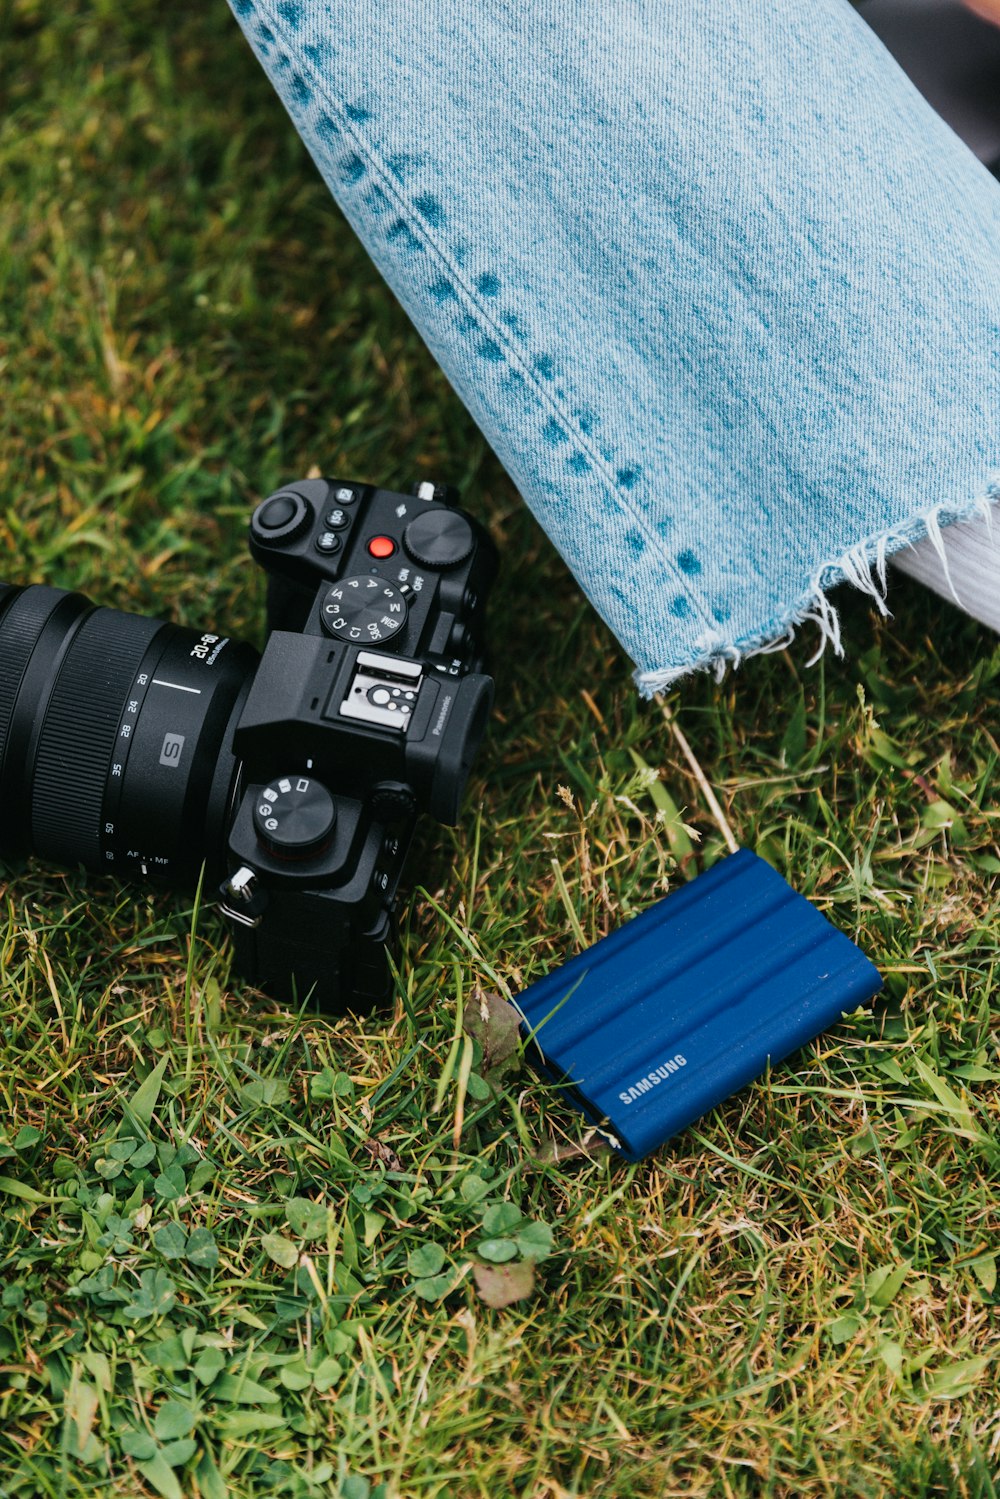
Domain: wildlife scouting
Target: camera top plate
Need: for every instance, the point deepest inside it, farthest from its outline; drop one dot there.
(403, 571)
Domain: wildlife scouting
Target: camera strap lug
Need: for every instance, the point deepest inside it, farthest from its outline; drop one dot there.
(241, 900)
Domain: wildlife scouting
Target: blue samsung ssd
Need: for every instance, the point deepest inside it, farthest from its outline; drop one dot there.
(672, 1013)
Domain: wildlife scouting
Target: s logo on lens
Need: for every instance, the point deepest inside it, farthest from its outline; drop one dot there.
(170, 753)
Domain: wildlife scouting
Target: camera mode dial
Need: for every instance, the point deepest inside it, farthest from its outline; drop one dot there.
(294, 817)
(365, 609)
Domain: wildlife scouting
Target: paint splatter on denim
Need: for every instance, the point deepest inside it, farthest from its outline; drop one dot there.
(720, 289)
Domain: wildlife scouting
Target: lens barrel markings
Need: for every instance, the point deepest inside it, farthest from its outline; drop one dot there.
(77, 736)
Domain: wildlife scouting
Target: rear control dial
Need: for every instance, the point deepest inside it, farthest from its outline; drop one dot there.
(439, 538)
(365, 610)
(294, 817)
(280, 518)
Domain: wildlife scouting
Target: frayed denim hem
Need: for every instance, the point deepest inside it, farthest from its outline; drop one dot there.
(863, 566)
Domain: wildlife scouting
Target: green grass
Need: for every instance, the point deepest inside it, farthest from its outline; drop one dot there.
(236, 1242)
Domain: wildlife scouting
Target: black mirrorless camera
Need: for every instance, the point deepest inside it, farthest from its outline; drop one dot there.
(141, 749)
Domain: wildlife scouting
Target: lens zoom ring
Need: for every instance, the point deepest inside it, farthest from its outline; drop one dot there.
(22, 624)
(77, 743)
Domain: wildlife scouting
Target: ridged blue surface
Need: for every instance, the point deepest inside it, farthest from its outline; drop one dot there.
(671, 1014)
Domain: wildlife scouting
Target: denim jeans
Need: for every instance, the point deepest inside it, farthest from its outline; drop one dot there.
(720, 289)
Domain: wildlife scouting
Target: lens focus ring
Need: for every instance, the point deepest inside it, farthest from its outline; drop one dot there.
(23, 622)
(77, 740)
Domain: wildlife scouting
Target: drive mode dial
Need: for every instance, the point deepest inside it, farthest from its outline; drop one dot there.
(365, 609)
(294, 817)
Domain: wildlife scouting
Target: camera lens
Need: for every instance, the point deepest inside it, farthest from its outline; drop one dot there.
(115, 734)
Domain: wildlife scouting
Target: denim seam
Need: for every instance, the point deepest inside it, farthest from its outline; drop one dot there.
(486, 323)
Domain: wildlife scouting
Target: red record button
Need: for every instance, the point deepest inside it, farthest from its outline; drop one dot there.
(381, 546)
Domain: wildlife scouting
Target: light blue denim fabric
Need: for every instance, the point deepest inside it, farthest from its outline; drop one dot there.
(721, 290)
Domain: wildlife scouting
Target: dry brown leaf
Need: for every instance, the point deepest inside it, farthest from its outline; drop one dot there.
(489, 1019)
(384, 1153)
(592, 1147)
(502, 1285)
